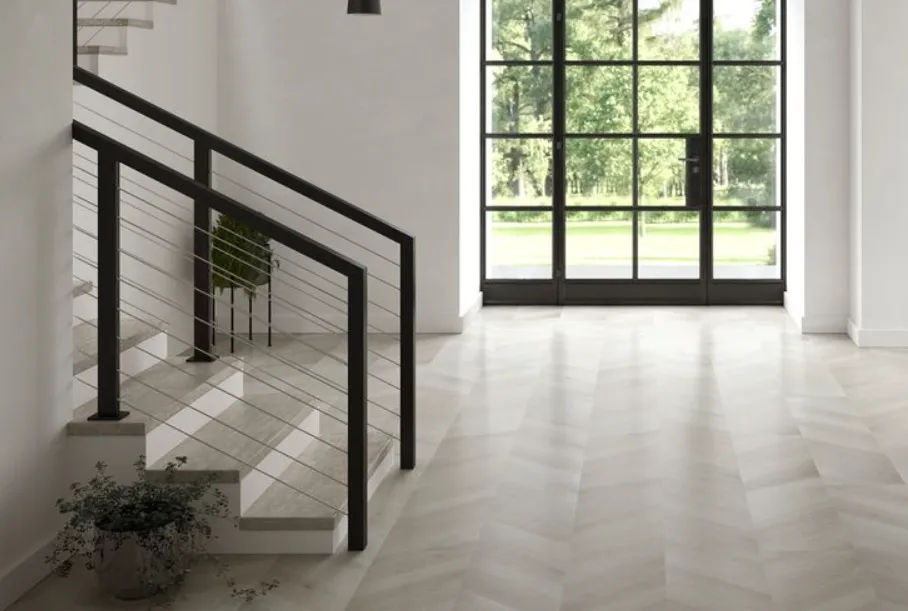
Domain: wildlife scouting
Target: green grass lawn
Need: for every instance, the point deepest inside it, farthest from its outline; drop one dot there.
(610, 242)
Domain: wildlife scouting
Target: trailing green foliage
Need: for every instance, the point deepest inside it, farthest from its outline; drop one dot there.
(169, 521)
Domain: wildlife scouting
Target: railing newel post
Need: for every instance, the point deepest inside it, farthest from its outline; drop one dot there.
(408, 353)
(203, 296)
(108, 288)
(357, 412)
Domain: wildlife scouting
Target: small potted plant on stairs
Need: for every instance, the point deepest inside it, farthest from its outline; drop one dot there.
(142, 538)
(241, 257)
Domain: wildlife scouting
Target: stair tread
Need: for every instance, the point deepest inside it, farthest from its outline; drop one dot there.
(283, 508)
(85, 340)
(101, 50)
(156, 394)
(104, 22)
(81, 287)
(262, 417)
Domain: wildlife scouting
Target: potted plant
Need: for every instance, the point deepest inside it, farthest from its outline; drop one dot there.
(141, 539)
(241, 257)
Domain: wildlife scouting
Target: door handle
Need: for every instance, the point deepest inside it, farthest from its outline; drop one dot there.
(689, 159)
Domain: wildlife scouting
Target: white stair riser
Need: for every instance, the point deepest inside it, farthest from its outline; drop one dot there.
(85, 307)
(133, 361)
(112, 36)
(277, 461)
(166, 437)
(89, 62)
(292, 542)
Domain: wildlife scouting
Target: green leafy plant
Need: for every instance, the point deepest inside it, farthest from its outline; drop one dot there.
(241, 257)
(143, 538)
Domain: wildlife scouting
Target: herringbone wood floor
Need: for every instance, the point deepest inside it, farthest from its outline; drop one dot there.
(625, 460)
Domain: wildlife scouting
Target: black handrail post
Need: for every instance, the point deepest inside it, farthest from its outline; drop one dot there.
(357, 413)
(408, 353)
(108, 288)
(203, 301)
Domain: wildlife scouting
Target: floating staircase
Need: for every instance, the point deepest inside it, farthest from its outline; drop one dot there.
(298, 432)
(103, 27)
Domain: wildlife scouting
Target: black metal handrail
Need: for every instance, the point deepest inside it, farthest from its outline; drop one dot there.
(111, 156)
(206, 143)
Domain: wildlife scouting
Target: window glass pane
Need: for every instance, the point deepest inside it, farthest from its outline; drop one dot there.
(669, 99)
(519, 172)
(599, 30)
(520, 30)
(599, 172)
(600, 244)
(519, 99)
(747, 245)
(746, 29)
(669, 244)
(662, 180)
(747, 99)
(746, 172)
(519, 245)
(599, 99)
(669, 29)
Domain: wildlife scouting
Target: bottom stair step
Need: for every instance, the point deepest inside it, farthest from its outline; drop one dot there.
(282, 508)
(243, 435)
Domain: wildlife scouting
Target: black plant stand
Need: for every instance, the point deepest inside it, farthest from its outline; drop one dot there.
(232, 290)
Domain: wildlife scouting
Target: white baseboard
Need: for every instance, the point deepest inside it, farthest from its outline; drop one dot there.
(470, 315)
(25, 575)
(824, 323)
(877, 338)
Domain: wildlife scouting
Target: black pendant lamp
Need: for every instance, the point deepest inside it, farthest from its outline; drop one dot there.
(364, 7)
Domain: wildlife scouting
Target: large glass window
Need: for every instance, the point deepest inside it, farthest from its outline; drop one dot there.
(624, 162)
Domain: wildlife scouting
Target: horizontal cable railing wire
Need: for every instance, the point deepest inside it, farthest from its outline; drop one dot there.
(100, 28)
(233, 233)
(205, 145)
(252, 192)
(112, 157)
(208, 445)
(141, 230)
(269, 353)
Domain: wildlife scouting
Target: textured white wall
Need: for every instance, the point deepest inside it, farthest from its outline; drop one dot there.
(370, 109)
(36, 304)
(818, 164)
(470, 106)
(879, 210)
(174, 66)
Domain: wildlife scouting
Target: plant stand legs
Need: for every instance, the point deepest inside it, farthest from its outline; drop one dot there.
(232, 321)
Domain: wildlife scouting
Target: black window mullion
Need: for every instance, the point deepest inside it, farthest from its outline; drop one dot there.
(706, 130)
(635, 142)
(559, 111)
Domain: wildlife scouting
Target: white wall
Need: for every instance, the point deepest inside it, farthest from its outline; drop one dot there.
(879, 208)
(36, 235)
(367, 108)
(818, 164)
(470, 108)
(174, 66)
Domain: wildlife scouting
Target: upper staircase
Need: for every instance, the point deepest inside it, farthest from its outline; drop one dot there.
(300, 401)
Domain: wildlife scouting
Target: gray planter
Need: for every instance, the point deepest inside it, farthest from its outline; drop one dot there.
(128, 571)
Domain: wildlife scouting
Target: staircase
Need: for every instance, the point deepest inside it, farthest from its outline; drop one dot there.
(301, 410)
(102, 27)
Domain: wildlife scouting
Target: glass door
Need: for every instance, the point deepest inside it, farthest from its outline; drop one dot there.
(633, 155)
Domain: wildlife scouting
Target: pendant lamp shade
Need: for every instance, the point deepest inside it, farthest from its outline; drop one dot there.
(364, 7)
